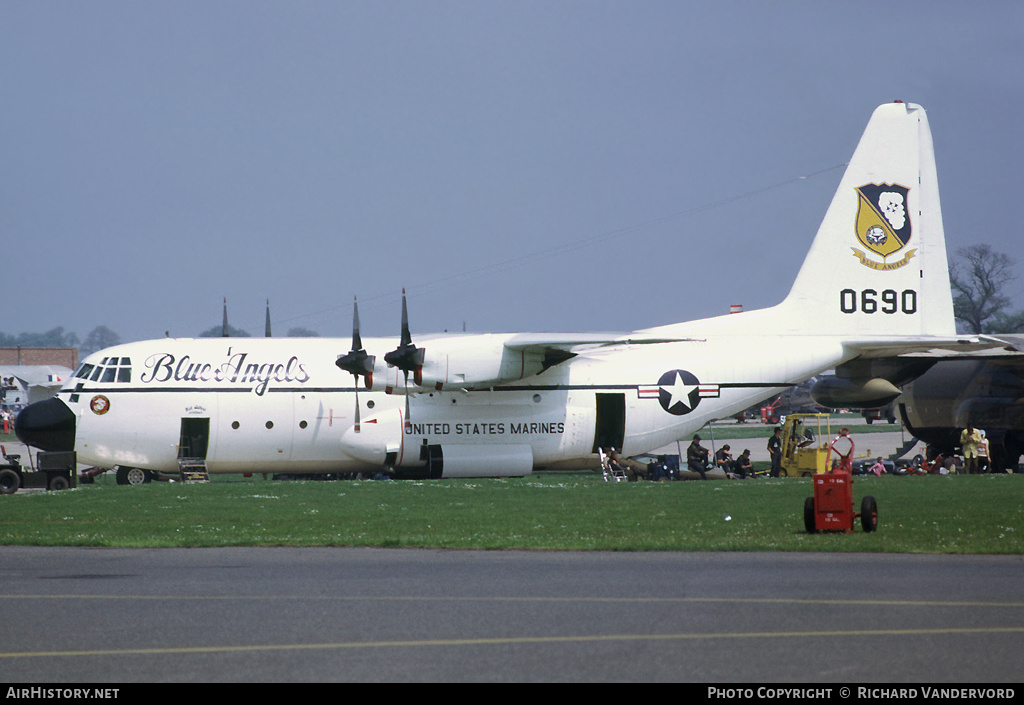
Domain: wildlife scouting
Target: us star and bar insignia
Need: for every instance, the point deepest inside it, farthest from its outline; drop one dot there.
(678, 391)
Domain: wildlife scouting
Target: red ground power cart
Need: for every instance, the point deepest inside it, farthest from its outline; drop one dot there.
(831, 507)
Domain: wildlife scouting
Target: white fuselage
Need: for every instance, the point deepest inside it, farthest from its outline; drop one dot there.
(874, 287)
(281, 404)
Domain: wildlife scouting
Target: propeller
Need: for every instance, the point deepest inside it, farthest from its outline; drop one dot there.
(407, 357)
(357, 361)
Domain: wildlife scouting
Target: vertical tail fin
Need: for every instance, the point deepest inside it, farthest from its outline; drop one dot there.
(878, 263)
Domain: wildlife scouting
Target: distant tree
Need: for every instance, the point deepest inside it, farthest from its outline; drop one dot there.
(218, 330)
(302, 333)
(979, 277)
(1007, 323)
(55, 338)
(99, 337)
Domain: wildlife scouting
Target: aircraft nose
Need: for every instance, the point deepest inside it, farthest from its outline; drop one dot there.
(47, 425)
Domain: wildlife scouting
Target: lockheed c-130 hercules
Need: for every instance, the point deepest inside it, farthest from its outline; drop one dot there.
(872, 300)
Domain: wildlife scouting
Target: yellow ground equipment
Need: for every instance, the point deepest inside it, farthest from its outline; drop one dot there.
(805, 440)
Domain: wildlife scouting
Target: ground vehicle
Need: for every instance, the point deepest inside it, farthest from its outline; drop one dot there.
(770, 412)
(805, 440)
(885, 412)
(831, 506)
(57, 471)
(805, 446)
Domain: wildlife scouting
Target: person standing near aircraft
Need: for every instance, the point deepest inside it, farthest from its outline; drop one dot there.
(775, 451)
(697, 457)
(969, 440)
(983, 455)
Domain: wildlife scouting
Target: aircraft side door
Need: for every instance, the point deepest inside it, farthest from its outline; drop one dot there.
(610, 428)
(194, 440)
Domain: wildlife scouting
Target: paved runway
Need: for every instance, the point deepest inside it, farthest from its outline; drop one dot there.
(322, 614)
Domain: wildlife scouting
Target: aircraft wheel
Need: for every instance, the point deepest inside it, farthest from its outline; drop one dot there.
(58, 482)
(9, 481)
(132, 476)
(869, 514)
(809, 515)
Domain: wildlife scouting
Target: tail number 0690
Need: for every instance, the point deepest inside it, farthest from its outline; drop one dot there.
(870, 301)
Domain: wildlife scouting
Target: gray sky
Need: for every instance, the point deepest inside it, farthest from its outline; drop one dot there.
(517, 166)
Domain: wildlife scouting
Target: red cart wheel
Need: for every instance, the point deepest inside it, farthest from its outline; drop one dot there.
(809, 515)
(869, 514)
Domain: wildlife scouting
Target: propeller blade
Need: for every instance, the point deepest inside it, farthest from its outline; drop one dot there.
(408, 413)
(357, 341)
(357, 361)
(406, 334)
(357, 402)
(406, 356)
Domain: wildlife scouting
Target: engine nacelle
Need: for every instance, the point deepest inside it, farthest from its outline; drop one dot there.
(378, 440)
(477, 460)
(460, 362)
(835, 392)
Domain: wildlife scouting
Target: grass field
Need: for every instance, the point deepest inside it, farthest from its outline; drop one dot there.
(570, 511)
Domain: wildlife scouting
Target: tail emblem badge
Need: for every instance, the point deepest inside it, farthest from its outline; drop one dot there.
(883, 225)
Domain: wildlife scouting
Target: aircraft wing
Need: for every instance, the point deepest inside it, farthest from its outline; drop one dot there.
(568, 341)
(879, 367)
(1012, 343)
(930, 347)
(917, 346)
(556, 348)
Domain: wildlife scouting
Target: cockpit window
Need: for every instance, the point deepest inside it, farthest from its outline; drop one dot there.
(110, 369)
(124, 370)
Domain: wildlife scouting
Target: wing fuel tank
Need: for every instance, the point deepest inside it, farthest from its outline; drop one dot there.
(835, 392)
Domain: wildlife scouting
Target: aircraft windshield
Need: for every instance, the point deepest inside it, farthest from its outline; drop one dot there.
(110, 369)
